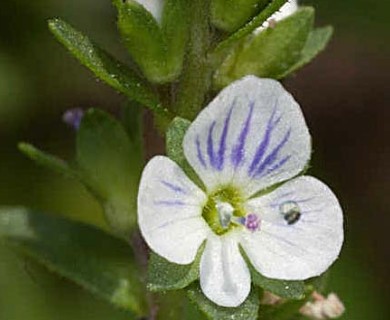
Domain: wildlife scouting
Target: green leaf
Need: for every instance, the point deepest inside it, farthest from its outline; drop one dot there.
(175, 27)
(229, 15)
(183, 310)
(110, 166)
(164, 275)
(47, 160)
(174, 146)
(282, 288)
(132, 121)
(315, 44)
(246, 311)
(104, 66)
(84, 254)
(144, 40)
(252, 25)
(271, 52)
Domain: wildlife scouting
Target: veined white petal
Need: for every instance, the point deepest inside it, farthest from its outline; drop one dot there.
(224, 275)
(251, 136)
(155, 7)
(286, 10)
(309, 244)
(169, 211)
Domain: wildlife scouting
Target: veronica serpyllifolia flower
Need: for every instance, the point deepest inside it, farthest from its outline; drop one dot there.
(251, 138)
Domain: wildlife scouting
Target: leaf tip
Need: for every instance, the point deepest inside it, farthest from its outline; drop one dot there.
(26, 148)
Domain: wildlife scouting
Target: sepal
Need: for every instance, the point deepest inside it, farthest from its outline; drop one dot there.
(270, 53)
(157, 49)
(164, 275)
(175, 28)
(174, 146)
(316, 42)
(229, 15)
(282, 288)
(248, 310)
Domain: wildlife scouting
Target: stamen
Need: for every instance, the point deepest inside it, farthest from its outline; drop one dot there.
(252, 222)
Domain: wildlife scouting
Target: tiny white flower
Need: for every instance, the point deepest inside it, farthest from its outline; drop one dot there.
(250, 137)
(155, 7)
(286, 10)
(323, 308)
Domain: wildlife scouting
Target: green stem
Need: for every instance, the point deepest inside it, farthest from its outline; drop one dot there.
(196, 78)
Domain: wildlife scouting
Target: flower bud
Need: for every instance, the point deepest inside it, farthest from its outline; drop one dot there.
(72, 117)
(323, 308)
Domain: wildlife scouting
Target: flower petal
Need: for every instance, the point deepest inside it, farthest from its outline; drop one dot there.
(224, 275)
(155, 7)
(169, 211)
(300, 246)
(252, 135)
(289, 8)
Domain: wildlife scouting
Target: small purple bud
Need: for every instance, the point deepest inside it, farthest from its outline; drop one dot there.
(252, 222)
(73, 117)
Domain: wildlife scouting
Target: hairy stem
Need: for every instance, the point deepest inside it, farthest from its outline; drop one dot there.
(196, 78)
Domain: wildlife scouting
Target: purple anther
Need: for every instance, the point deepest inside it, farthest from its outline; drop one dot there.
(72, 117)
(252, 222)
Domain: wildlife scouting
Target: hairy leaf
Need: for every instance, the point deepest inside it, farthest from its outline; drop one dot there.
(229, 15)
(100, 263)
(175, 28)
(111, 166)
(164, 275)
(144, 39)
(270, 53)
(316, 42)
(246, 311)
(282, 288)
(47, 160)
(104, 66)
(247, 29)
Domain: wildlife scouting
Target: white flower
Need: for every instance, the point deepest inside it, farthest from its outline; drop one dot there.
(251, 137)
(155, 7)
(286, 10)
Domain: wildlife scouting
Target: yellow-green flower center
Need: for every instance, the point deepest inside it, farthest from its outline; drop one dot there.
(224, 211)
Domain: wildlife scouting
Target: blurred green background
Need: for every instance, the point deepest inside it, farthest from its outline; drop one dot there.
(344, 94)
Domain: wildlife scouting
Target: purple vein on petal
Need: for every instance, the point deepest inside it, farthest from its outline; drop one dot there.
(222, 142)
(170, 222)
(281, 199)
(262, 148)
(238, 150)
(276, 166)
(306, 199)
(210, 145)
(284, 240)
(170, 203)
(199, 153)
(272, 157)
(173, 187)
